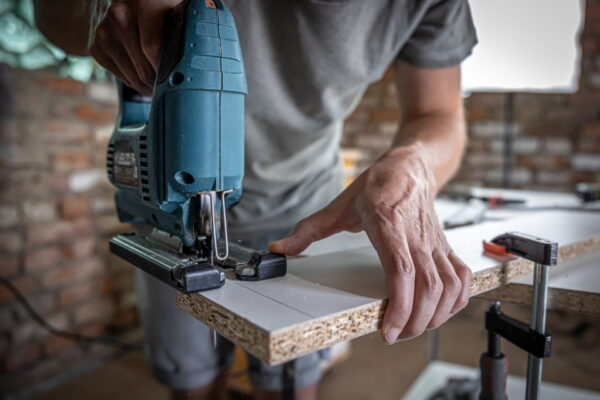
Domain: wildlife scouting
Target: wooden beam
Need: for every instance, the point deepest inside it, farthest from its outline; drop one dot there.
(334, 297)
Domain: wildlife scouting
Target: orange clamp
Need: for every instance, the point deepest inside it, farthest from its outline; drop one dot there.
(496, 249)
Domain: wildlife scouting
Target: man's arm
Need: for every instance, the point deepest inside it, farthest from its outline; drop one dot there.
(65, 23)
(431, 108)
(393, 202)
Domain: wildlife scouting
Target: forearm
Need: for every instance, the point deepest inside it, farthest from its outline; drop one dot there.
(440, 139)
(65, 23)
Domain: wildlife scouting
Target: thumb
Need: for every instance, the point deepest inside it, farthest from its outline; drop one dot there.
(316, 227)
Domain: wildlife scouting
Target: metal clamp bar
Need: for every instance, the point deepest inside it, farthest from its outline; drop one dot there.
(538, 324)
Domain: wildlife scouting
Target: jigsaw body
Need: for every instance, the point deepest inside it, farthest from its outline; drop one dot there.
(178, 160)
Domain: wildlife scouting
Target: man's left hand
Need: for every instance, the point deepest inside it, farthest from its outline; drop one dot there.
(392, 202)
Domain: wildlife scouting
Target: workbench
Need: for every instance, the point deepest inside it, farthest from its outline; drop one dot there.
(337, 290)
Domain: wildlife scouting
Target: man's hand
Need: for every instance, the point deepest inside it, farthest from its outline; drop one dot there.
(127, 42)
(392, 202)
(129, 39)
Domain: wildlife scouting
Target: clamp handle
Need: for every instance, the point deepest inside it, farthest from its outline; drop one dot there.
(535, 249)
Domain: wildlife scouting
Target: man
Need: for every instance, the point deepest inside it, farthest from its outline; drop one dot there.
(308, 62)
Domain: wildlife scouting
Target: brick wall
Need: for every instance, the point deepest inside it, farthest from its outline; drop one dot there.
(56, 209)
(557, 141)
(56, 213)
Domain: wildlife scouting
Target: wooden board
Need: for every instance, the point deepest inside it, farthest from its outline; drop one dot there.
(574, 287)
(339, 296)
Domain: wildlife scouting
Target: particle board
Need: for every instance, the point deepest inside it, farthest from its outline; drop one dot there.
(573, 287)
(328, 298)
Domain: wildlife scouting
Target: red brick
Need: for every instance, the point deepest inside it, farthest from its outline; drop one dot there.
(359, 115)
(80, 248)
(125, 320)
(483, 160)
(102, 135)
(42, 259)
(30, 102)
(110, 225)
(20, 357)
(591, 129)
(28, 332)
(95, 329)
(476, 114)
(552, 129)
(103, 204)
(63, 85)
(24, 284)
(60, 276)
(385, 115)
(67, 160)
(582, 176)
(59, 321)
(588, 145)
(98, 310)
(95, 114)
(23, 155)
(72, 273)
(29, 184)
(58, 232)
(56, 344)
(74, 206)
(9, 265)
(9, 130)
(107, 285)
(39, 211)
(9, 216)
(86, 180)
(103, 93)
(59, 130)
(42, 301)
(543, 161)
(10, 242)
(77, 293)
(63, 108)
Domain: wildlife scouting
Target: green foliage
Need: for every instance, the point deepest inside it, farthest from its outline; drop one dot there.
(23, 46)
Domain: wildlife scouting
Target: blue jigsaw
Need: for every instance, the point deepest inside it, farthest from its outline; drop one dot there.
(177, 159)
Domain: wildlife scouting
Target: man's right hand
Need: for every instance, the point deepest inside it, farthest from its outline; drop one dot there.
(128, 41)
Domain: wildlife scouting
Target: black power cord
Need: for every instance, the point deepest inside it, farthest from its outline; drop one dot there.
(83, 339)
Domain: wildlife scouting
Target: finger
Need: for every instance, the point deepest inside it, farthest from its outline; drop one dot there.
(151, 28)
(452, 286)
(428, 290)
(151, 40)
(105, 61)
(394, 254)
(316, 227)
(466, 276)
(121, 14)
(108, 44)
(124, 64)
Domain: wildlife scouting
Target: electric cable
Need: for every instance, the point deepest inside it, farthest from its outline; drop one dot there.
(83, 339)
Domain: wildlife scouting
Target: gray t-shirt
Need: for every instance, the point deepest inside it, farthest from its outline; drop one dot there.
(308, 63)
